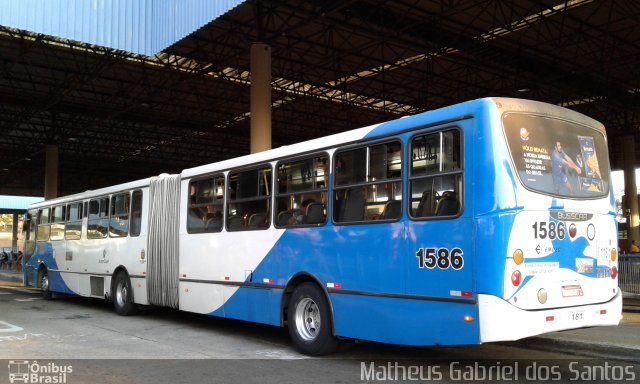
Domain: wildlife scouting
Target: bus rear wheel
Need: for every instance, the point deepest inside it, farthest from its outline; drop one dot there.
(122, 296)
(310, 321)
(44, 285)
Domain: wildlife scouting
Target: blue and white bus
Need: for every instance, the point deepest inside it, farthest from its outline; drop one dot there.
(484, 221)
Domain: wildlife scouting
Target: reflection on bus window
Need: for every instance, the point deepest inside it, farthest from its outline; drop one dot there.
(44, 228)
(98, 222)
(248, 200)
(73, 228)
(368, 183)
(119, 221)
(301, 197)
(57, 222)
(436, 174)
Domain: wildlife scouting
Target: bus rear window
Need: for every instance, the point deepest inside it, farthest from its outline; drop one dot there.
(558, 157)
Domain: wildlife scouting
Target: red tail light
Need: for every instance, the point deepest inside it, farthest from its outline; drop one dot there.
(614, 272)
(516, 278)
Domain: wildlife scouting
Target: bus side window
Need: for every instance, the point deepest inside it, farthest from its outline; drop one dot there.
(435, 180)
(57, 222)
(301, 192)
(119, 215)
(98, 222)
(136, 214)
(44, 228)
(368, 183)
(73, 228)
(248, 199)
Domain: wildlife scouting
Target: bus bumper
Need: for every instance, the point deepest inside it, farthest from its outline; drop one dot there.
(501, 321)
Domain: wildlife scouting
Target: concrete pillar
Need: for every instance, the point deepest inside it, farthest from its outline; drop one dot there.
(260, 97)
(630, 190)
(51, 172)
(14, 238)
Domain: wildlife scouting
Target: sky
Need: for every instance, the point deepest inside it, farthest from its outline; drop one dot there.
(617, 180)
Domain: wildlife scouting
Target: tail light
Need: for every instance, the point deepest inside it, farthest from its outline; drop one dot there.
(516, 278)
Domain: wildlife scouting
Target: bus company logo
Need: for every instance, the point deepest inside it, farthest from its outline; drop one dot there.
(24, 371)
(571, 216)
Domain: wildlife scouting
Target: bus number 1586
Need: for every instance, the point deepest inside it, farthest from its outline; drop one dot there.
(550, 230)
(442, 258)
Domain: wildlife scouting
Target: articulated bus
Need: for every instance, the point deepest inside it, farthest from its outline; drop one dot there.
(485, 221)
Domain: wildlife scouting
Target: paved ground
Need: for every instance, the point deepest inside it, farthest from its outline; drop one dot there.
(169, 346)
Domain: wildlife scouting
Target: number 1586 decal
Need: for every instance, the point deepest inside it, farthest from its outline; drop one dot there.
(442, 258)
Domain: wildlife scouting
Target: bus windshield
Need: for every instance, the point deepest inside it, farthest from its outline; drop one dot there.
(558, 157)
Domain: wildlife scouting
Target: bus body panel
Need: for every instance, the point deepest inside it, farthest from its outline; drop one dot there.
(438, 280)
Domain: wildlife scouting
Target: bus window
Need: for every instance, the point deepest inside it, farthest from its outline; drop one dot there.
(248, 199)
(57, 222)
(31, 230)
(206, 204)
(436, 174)
(557, 157)
(368, 183)
(74, 222)
(136, 214)
(44, 228)
(301, 197)
(98, 222)
(119, 221)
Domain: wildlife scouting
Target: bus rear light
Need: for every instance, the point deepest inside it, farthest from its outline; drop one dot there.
(518, 256)
(603, 311)
(550, 318)
(469, 319)
(614, 272)
(516, 278)
(614, 254)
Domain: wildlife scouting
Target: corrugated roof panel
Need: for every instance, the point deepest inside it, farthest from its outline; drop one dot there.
(140, 26)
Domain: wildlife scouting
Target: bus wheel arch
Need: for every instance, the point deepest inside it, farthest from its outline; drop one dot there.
(122, 293)
(309, 315)
(44, 283)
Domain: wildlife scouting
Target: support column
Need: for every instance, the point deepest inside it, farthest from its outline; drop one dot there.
(631, 190)
(51, 172)
(260, 97)
(14, 238)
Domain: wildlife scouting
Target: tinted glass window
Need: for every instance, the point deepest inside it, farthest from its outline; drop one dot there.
(558, 157)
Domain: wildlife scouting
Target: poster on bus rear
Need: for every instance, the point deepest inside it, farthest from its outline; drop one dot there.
(557, 157)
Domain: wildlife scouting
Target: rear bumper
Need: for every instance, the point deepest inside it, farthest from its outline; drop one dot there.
(501, 321)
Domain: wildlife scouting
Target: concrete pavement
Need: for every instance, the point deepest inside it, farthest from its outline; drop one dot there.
(616, 343)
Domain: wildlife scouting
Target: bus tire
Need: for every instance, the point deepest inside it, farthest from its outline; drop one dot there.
(44, 284)
(122, 296)
(309, 321)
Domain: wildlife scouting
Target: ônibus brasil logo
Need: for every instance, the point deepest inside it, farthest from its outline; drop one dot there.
(24, 371)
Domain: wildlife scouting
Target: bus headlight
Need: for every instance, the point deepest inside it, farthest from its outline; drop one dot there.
(516, 278)
(518, 256)
(542, 295)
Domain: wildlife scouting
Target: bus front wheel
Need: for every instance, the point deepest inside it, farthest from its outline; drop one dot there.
(122, 296)
(44, 285)
(310, 321)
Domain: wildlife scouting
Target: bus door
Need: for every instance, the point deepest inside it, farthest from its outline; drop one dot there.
(96, 258)
(440, 231)
(29, 248)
